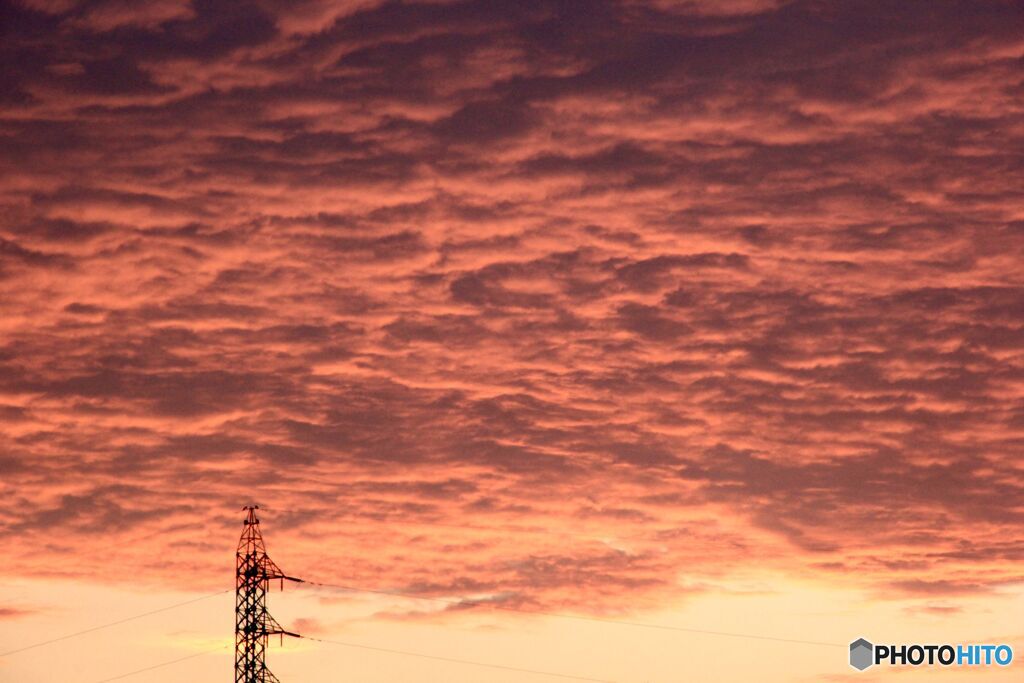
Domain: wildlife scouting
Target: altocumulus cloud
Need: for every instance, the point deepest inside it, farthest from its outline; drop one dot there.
(681, 281)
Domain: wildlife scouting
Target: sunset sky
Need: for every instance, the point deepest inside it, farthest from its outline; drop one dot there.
(703, 314)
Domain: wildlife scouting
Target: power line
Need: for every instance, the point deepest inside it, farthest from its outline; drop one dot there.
(162, 664)
(112, 623)
(578, 617)
(458, 661)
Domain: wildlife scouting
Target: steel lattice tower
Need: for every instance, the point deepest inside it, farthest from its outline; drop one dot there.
(254, 571)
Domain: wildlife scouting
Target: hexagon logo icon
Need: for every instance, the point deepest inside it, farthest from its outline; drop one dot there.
(861, 654)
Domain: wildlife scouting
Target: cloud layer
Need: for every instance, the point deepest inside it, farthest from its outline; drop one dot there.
(515, 301)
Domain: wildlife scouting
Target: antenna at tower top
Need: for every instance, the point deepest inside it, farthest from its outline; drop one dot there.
(251, 518)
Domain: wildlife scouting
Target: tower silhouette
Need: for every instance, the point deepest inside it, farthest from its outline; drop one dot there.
(254, 570)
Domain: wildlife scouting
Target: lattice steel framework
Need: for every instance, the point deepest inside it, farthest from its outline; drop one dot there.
(254, 571)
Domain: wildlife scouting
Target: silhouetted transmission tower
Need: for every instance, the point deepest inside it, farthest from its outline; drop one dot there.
(253, 624)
